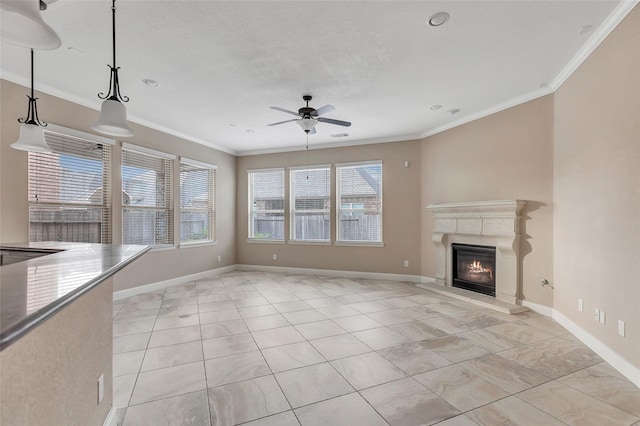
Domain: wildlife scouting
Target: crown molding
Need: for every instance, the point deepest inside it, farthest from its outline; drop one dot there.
(609, 24)
(97, 105)
(488, 111)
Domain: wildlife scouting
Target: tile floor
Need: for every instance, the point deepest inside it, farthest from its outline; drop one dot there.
(260, 348)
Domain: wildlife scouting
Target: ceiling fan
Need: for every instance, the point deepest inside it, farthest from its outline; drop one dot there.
(309, 116)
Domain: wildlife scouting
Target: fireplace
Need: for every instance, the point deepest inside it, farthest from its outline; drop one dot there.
(474, 268)
(481, 223)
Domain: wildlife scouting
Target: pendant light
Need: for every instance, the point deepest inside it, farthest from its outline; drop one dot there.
(23, 25)
(113, 115)
(32, 129)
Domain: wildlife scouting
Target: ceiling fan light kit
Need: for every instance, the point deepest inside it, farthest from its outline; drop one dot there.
(307, 124)
(31, 130)
(113, 114)
(23, 25)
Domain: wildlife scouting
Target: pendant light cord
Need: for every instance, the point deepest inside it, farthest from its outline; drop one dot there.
(113, 21)
(32, 109)
(307, 154)
(114, 82)
(32, 94)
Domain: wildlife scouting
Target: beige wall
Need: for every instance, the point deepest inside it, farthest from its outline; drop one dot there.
(50, 376)
(153, 266)
(507, 155)
(597, 190)
(401, 212)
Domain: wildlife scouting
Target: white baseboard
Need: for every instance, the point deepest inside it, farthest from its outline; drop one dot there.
(123, 294)
(622, 365)
(537, 308)
(332, 273)
(627, 369)
(111, 418)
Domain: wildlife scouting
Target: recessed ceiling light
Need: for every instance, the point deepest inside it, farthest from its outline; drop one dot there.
(438, 19)
(250, 131)
(435, 107)
(151, 83)
(453, 111)
(340, 135)
(232, 125)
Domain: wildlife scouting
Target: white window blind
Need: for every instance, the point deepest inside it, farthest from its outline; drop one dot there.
(310, 201)
(359, 197)
(69, 193)
(266, 204)
(197, 201)
(147, 213)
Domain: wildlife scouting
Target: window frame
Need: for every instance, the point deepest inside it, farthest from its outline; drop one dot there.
(339, 209)
(71, 136)
(211, 209)
(250, 210)
(292, 205)
(169, 195)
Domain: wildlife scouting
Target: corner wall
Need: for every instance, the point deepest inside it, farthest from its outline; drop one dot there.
(153, 266)
(597, 191)
(507, 155)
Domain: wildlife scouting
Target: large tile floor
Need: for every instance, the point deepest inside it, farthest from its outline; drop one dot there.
(260, 348)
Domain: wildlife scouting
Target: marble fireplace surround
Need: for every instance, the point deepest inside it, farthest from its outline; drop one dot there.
(486, 223)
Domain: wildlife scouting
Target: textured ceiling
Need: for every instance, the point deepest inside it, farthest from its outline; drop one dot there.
(221, 65)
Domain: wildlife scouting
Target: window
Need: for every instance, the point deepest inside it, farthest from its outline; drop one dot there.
(310, 203)
(69, 194)
(147, 214)
(197, 201)
(266, 204)
(359, 195)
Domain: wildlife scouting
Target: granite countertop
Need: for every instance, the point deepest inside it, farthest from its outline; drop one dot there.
(33, 290)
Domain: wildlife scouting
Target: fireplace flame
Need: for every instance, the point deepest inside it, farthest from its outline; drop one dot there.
(477, 268)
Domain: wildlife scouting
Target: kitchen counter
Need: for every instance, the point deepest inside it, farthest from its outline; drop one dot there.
(33, 290)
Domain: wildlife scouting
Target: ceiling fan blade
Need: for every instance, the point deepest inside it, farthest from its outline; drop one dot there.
(284, 110)
(332, 121)
(282, 122)
(323, 110)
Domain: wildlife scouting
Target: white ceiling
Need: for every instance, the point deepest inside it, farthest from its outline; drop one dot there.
(221, 65)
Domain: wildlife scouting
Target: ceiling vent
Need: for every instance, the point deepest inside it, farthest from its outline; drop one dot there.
(340, 135)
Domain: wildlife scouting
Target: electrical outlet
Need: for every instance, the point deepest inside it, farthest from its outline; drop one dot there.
(621, 328)
(275, 256)
(100, 388)
(580, 305)
(219, 258)
(596, 314)
(406, 263)
(602, 317)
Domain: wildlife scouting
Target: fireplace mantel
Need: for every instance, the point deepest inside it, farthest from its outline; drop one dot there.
(488, 223)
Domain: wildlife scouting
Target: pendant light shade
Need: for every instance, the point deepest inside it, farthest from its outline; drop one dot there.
(31, 139)
(113, 119)
(113, 114)
(22, 24)
(31, 128)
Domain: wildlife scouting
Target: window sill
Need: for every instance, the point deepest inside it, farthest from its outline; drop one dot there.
(359, 243)
(257, 241)
(162, 248)
(198, 244)
(310, 242)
